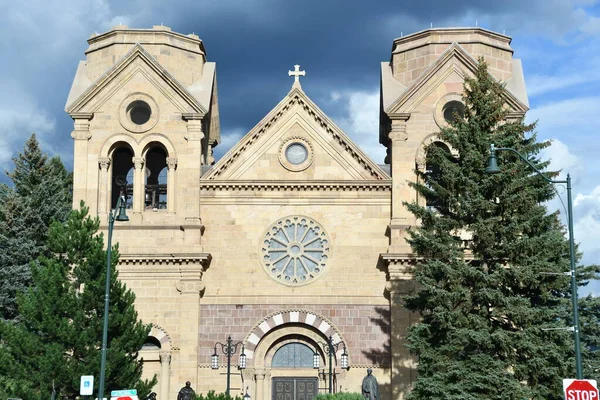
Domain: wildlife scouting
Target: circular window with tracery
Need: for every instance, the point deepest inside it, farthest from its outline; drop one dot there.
(295, 250)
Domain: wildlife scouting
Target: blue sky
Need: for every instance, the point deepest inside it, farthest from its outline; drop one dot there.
(339, 43)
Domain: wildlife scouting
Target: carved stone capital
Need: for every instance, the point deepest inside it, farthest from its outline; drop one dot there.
(194, 130)
(81, 126)
(171, 163)
(188, 286)
(81, 134)
(165, 357)
(138, 162)
(104, 163)
(398, 132)
(404, 286)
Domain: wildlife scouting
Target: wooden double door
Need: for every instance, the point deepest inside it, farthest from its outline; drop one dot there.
(295, 388)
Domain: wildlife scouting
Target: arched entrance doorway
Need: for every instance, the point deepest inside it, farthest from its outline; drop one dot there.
(294, 357)
(281, 360)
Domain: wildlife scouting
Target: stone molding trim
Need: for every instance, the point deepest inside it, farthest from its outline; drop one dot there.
(438, 113)
(283, 158)
(321, 186)
(202, 259)
(190, 286)
(297, 97)
(421, 158)
(293, 316)
(139, 147)
(162, 336)
(124, 117)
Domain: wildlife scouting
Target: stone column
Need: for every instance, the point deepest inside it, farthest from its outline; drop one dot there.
(103, 189)
(165, 374)
(259, 390)
(190, 289)
(402, 166)
(171, 167)
(403, 369)
(81, 136)
(189, 174)
(138, 185)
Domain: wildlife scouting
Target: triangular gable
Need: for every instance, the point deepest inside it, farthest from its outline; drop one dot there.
(230, 163)
(136, 53)
(457, 52)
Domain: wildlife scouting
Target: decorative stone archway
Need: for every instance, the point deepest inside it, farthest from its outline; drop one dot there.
(278, 330)
(162, 355)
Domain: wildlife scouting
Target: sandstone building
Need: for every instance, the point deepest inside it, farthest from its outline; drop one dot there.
(293, 237)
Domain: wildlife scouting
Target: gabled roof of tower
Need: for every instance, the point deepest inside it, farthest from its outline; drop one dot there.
(80, 94)
(296, 95)
(454, 51)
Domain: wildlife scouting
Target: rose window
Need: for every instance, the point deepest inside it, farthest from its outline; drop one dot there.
(295, 250)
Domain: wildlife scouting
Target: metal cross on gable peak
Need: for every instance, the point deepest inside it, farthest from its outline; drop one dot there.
(296, 73)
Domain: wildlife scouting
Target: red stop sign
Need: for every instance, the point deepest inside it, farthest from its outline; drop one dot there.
(581, 390)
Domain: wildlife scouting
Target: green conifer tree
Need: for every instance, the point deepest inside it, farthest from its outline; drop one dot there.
(59, 333)
(41, 193)
(492, 292)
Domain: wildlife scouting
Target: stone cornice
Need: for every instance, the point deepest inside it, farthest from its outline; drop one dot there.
(202, 259)
(324, 186)
(442, 32)
(157, 35)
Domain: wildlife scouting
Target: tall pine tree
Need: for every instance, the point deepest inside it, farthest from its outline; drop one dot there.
(58, 336)
(41, 193)
(492, 288)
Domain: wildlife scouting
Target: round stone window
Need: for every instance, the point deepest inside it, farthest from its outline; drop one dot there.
(295, 154)
(139, 112)
(295, 250)
(453, 111)
(448, 108)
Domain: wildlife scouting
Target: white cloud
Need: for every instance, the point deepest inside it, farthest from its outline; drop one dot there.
(586, 205)
(359, 119)
(228, 140)
(561, 159)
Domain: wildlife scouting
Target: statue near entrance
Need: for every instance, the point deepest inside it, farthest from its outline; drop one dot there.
(370, 388)
(186, 392)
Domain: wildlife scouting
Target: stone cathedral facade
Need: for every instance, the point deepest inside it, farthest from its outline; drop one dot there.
(294, 237)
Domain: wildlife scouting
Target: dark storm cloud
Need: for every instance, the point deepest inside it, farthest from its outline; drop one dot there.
(254, 43)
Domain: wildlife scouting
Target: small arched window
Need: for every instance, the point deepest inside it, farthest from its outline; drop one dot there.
(293, 355)
(151, 343)
(434, 171)
(122, 170)
(156, 179)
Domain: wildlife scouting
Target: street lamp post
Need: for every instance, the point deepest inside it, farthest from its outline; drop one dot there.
(121, 216)
(229, 348)
(493, 168)
(331, 348)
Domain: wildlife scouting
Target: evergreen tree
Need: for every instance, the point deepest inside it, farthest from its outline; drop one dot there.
(589, 322)
(59, 333)
(41, 194)
(492, 288)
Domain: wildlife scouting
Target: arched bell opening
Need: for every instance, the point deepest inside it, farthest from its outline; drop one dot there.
(155, 174)
(433, 171)
(122, 177)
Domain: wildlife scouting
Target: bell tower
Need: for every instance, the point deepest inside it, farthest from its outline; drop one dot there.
(145, 110)
(146, 119)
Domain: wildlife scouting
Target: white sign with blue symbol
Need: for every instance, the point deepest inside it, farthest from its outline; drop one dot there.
(87, 385)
